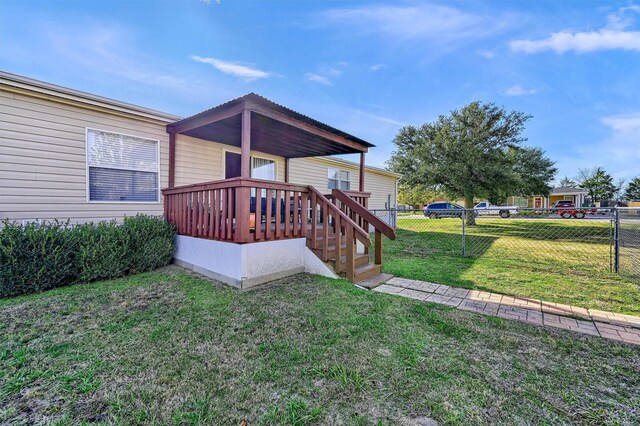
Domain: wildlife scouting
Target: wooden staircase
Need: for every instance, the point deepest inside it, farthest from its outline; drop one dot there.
(338, 223)
(363, 269)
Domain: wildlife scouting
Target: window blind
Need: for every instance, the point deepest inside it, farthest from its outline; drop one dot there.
(263, 169)
(121, 167)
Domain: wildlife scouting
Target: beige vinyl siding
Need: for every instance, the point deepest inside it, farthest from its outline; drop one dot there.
(198, 160)
(43, 159)
(313, 171)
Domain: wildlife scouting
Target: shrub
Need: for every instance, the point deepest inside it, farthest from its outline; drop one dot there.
(36, 258)
(103, 251)
(150, 242)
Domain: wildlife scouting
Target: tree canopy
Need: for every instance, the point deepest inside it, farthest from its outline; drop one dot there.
(633, 189)
(598, 184)
(416, 195)
(567, 182)
(475, 151)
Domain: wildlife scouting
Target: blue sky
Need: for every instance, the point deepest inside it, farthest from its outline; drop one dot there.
(366, 68)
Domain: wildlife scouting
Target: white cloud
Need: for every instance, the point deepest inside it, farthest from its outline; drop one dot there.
(419, 22)
(487, 54)
(233, 68)
(332, 71)
(613, 36)
(623, 123)
(619, 151)
(518, 90)
(383, 119)
(317, 78)
(376, 67)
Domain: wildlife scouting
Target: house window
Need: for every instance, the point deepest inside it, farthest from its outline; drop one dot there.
(339, 179)
(122, 168)
(521, 201)
(261, 168)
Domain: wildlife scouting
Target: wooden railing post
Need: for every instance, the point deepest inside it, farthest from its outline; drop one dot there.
(243, 202)
(351, 246)
(314, 221)
(338, 243)
(378, 248)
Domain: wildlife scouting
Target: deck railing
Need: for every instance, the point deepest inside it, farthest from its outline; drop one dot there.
(238, 210)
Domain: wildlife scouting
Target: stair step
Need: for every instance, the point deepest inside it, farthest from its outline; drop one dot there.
(366, 271)
(331, 251)
(375, 281)
(331, 239)
(359, 260)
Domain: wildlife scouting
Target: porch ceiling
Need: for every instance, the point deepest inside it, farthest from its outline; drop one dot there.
(275, 129)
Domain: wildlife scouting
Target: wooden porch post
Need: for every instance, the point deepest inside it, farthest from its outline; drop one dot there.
(361, 189)
(172, 159)
(243, 193)
(245, 145)
(286, 170)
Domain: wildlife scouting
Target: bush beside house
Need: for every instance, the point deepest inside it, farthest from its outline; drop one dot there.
(35, 258)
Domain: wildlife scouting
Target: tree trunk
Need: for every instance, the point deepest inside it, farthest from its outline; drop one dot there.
(471, 217)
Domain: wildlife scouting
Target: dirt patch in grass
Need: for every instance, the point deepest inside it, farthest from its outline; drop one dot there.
(171, 347)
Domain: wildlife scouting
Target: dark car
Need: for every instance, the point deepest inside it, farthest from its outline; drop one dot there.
(567, 209)
(565, 204)
(440, 210)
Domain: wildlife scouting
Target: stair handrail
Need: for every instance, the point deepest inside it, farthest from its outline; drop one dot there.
(363, 212)
(360, 234)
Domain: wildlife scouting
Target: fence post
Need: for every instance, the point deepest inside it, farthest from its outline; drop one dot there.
(616, 241)
(464, 240)
(611, 243)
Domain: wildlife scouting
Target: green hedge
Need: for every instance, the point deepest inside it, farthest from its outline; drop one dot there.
(35, 258)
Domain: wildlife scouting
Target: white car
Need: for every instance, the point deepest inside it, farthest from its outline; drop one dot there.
(486, 208)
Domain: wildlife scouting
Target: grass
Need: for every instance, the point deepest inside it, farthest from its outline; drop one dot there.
(170, 347)
(563, 261)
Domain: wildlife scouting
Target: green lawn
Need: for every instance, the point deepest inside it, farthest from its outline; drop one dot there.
(564, 261)
(171, 348)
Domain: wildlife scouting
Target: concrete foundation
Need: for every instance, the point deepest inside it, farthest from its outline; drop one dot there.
(248, 265)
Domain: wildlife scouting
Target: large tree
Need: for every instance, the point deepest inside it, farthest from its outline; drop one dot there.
(416, 195)
(598, 184)
(633, 189)
(473, 152)
(567, 182)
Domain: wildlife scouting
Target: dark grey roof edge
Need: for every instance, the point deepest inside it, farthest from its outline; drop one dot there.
(261, 100)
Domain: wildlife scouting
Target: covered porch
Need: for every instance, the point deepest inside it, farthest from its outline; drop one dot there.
(242, 209)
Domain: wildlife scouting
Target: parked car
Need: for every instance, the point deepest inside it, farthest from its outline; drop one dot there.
(443, 209)
(567, 209)
(485, 208)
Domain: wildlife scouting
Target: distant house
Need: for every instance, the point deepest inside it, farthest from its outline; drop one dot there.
(577, 195)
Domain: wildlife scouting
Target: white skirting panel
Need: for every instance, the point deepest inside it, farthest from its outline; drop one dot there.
(248, 265)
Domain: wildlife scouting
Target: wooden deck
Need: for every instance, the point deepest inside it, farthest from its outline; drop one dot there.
(246, 211)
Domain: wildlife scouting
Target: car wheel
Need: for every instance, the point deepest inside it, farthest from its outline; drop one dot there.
(433, 216)
(505, 214)
(566, 215)
(579, 215)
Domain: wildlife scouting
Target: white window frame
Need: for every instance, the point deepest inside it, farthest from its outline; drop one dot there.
(339, 180)
(275, 166)
(86, 161)
(251, 157)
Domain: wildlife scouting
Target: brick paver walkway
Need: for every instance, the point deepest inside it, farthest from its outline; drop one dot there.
(620, 327)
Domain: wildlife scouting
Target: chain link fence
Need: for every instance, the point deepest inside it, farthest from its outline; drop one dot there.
(589, 239)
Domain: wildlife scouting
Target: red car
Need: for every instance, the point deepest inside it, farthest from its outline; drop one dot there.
(567, 209)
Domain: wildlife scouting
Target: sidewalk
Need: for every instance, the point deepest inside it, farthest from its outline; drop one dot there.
(620, 327)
